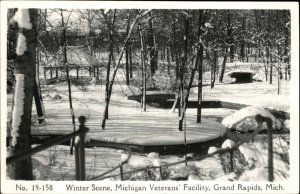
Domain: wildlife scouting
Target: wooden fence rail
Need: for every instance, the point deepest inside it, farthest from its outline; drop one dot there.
(79, 157)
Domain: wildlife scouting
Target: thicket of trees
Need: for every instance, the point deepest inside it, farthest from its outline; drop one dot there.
(161, 49)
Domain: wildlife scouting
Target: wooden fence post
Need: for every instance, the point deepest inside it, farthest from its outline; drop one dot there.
(121, 172)
(270, 151)
(81, 146)
(160, 173)
(260, 119)
(77, 163)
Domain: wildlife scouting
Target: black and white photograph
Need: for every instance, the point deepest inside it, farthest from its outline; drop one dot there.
(133, 97)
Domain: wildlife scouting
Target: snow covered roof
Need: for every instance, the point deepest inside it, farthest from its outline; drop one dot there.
(246, 70)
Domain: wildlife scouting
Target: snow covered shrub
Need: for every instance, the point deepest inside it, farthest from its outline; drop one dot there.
(243, 120)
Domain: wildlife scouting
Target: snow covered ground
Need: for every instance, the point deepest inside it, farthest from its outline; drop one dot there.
(57, 164)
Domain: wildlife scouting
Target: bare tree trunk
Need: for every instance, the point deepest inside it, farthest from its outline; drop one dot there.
(22, 103)
(214, 69)
(199, 62)
(176, 52)
(119, 62)
(110, 58)
(127, 53)
(130, 59)
(64, 50)
(223, 65)
(37, 92)
(230, 41)
(183, 65)
(152, 52)
(143, 100)
(127, 65)
(271, 70)
(175, 103)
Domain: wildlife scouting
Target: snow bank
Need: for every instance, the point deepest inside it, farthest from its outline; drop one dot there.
(256, 154)
(261, 174)
(21, 44)
(243, 120)
(18, 109)
(23, 19)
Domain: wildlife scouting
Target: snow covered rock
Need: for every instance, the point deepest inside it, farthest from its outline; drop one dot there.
(190, 155)
(182, 172)
(193, 177)
(212, 149)
(209, 168)
(153, 155)
(140, 162)
(232, 176)
(156, 162)
(249, 124)
(228, 143)
(286, 125)
(244, 119)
